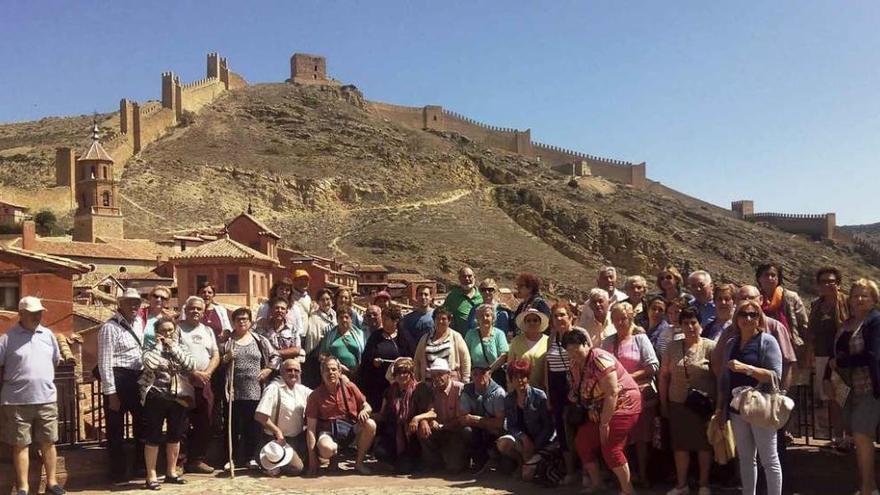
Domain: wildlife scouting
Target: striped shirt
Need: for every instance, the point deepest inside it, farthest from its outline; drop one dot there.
(438, 349)
(119, 346)
(557, 358)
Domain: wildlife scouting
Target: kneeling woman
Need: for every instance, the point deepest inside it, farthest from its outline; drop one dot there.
(165, 392)
(612, 404)
(528, 424)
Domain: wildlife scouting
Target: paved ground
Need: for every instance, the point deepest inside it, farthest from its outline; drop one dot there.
(811, 471)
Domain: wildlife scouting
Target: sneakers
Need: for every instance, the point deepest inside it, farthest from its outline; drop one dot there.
(684, 490)
(252, 464)
(199, 467)
(55, 490)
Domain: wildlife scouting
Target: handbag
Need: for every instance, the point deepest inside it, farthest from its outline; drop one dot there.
(766, 409)
(342, 429)
(698, 401)
(575, 414)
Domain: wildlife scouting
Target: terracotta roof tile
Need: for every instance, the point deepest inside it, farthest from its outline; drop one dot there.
(370, 268)
(142, 276)
(47, 258)
(265, 230)
(408, 277)
(94, 278)
(13, 205)
(224, 248)
(97, 314)
(119, 249)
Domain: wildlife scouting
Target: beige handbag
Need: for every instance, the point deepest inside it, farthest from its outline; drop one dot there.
(766, 409)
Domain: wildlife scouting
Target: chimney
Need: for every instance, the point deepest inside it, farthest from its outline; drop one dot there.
(28, 234)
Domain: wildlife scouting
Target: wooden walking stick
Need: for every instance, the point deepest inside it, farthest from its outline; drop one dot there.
(230, 394)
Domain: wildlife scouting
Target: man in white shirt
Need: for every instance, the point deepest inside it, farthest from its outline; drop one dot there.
(202, 345)
(606, 279)
(282, 411)
(596, 317)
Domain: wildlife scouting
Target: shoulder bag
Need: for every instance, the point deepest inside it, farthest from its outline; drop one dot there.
(698, 401)
(766, 409)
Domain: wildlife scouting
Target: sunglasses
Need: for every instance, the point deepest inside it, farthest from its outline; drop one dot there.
(828, 281)
(752, 315)
(242, 319)
(402, 373)
(487, 289)
(156, 296)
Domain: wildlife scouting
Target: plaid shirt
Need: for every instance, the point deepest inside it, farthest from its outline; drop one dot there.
(118, 348)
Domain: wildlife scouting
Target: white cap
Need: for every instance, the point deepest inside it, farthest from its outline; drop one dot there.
(439, 364)
(30, 304)
(130, 293)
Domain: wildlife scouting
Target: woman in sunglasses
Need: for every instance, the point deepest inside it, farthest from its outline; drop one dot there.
(158, 308)
(670, 283)
(528, 290)
(530, 345)
(751, 357)
(394, 441)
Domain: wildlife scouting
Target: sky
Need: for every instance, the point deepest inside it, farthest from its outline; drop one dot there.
(764, 100)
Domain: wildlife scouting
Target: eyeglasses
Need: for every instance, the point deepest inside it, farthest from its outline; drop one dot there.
(402, 373)
(243, 319)
(487, 289)
(667, 277)
(751, 315)
(828, 281)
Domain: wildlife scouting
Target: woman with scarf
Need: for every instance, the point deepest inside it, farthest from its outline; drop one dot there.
(165, 393)
(345, 342)
(394, 442)
(528, 290)
(784, 305)
(827, 314)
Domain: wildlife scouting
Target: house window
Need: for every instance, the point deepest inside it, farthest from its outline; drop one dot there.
(9, 294)
(232, 283)
(106, 198)
(201, 280)
(92, 171)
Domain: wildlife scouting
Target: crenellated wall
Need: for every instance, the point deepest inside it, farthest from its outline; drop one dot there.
(437, 118)
(822, 225)
(142, 124)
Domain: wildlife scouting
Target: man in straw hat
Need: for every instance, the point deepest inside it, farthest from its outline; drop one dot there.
(120, 362)
(28, 409)
(282, 411)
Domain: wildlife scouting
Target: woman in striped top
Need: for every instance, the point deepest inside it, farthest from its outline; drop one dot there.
(558, 381)
(446, 344)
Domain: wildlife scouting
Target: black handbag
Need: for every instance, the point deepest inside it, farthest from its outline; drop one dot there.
(697, 400)
(582, 411)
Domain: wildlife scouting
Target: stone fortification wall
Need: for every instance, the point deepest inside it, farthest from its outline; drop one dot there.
(197, 94)
(512, 140)
(821, 225)
(142, 124)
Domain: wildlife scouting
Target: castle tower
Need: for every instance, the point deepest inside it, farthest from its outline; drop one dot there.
(213, 65)
(743, 209)
(97, 213)
(308, 69)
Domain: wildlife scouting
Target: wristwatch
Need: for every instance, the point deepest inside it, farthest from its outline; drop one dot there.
(750, 370)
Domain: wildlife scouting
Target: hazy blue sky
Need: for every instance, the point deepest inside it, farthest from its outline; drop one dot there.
(772, 101)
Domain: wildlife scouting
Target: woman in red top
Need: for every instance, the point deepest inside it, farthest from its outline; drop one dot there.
(613, 403)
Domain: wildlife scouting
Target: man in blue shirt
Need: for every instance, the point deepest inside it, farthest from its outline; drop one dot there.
(482, 409)
(700, 284)
(420, 321)
(28, 408)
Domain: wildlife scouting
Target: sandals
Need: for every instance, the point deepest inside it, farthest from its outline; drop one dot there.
(153, 485)
(175, 480)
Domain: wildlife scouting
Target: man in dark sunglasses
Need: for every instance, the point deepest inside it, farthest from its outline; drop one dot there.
(281, 411)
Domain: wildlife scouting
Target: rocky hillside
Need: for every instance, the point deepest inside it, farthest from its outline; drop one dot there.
(334, 179)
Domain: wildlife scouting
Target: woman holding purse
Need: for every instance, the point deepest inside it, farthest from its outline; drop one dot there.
(752, 358)
(166, 395)
(687, 385)
(611, 402)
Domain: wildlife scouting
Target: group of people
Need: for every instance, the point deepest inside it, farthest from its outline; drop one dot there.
(539, 390)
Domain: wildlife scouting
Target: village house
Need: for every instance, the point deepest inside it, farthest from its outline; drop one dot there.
(24, 272)
(370, 278)
(11, 214)
(323, 272)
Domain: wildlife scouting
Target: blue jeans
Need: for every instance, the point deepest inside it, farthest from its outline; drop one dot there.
(750, 440)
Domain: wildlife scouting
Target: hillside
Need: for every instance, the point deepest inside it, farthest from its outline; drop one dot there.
(333, 178)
